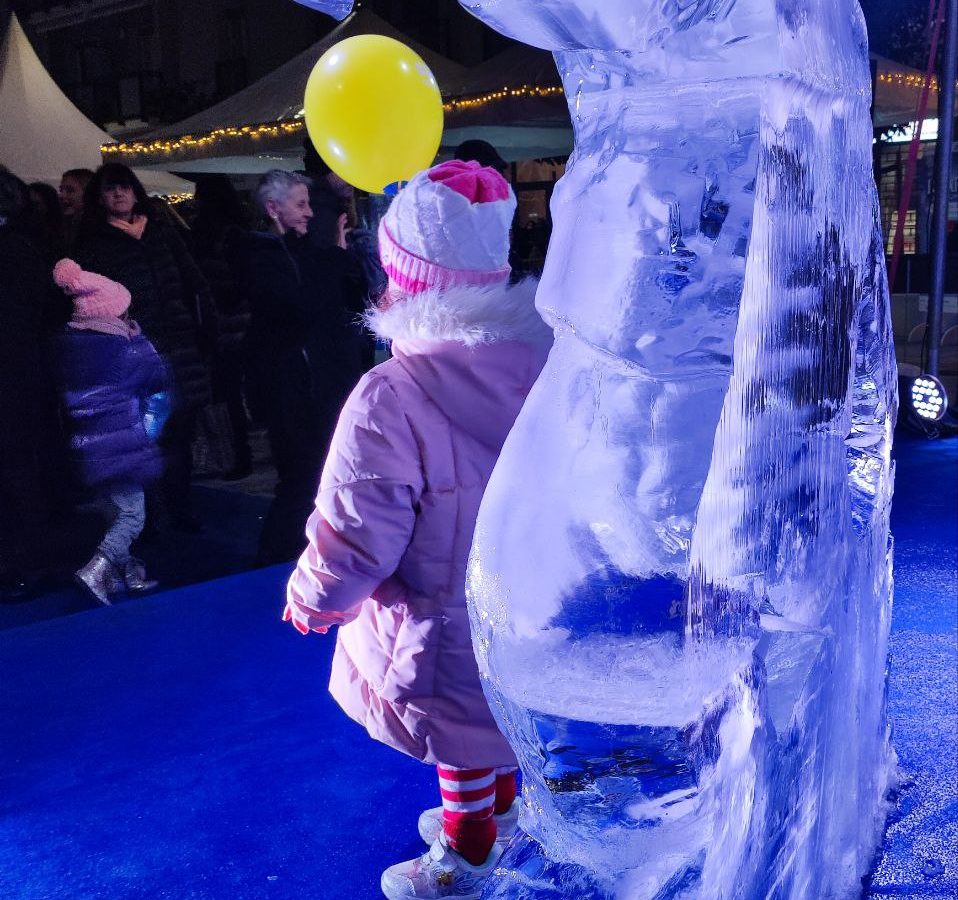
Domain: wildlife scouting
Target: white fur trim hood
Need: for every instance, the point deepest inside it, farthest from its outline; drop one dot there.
(467, 314)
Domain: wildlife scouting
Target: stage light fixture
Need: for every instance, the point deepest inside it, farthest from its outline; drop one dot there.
(928, 398)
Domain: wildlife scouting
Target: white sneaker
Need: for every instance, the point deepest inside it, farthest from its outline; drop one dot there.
(440, 872)
(430, 824)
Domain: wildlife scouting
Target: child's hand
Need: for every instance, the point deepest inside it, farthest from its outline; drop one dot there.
(303, 619)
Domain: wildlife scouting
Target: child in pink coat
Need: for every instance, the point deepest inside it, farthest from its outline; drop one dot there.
(398, 499)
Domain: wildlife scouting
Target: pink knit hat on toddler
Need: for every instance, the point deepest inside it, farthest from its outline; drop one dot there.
(449, 226)
(94, 296)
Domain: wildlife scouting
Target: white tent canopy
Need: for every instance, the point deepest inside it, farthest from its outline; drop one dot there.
(261, 126)
(532, 129)
(275, 98)
(527, 127)
(515, 66)
(278, 96)
(897, 91)
(42, 133)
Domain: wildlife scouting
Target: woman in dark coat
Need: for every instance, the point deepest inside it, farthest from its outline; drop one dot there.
(307, 350)
(122, 238)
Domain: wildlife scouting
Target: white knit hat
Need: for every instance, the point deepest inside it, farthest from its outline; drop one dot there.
(448, 226)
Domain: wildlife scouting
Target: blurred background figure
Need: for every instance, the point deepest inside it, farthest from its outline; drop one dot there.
(218, 234)
(306, 349)
(483, 153)
(329, 198)
(73, 183)
(46, 224)
(125, 238)
(25, 289)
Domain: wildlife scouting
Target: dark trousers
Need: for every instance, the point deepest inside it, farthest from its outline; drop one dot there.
(300, 425)
(35, 482)
(177, 444)
(228, 376)
(25, 505)
(22, 511)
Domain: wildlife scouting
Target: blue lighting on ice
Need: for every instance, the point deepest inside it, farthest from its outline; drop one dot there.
(681, 578)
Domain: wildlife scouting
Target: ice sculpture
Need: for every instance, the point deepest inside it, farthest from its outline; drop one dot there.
(681, 578)
(338, 9)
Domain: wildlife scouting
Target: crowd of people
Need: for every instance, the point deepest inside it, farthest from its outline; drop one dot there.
(129, 324)
(126, 324)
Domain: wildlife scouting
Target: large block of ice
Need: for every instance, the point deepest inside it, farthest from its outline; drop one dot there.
(338, 9)
(681, 579)
(680, 582)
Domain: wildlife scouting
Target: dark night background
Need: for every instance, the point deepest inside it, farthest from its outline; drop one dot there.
(163, 63)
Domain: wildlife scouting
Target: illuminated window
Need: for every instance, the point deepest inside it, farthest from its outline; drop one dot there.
(909, 232)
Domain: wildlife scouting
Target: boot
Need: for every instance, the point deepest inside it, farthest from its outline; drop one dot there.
(98, 578)
(134, 574)
(440, 872)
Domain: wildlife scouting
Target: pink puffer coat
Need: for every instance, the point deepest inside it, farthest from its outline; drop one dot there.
(390, 537)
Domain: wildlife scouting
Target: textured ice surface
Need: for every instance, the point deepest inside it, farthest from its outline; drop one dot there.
(338, 9)
(681, 578)
(681, 581)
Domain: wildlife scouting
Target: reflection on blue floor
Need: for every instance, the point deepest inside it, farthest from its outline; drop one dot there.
(184, 746)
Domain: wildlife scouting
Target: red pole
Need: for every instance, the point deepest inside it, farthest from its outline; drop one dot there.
(912, 164)
(946, 131)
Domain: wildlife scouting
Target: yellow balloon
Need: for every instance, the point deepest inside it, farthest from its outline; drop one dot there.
(373, 111)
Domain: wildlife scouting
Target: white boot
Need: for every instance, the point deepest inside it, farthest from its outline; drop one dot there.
(98, 578)
(440, 872)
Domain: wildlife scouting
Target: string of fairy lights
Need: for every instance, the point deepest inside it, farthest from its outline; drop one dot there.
(505, 93)
(906, 79)
(176, 199)
(189, 141)
(170, 146)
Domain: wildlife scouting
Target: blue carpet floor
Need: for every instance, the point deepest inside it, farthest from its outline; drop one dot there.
(183, 746)
(226, 544)
(920, 858)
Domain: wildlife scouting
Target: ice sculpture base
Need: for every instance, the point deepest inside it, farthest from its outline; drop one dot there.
(527, 873)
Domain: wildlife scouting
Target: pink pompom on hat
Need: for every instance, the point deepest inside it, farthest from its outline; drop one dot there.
(448, 227)
(94, 296)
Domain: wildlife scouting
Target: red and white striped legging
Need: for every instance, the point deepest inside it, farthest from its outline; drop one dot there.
(470, 797)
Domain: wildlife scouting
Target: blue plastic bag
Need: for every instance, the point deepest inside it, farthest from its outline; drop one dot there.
(156, 410)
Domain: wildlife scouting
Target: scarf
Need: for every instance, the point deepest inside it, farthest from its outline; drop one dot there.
(134, 229)
(126, 328)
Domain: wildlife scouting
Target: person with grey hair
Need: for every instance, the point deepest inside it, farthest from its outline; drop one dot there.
(279, 195)
(305, 350)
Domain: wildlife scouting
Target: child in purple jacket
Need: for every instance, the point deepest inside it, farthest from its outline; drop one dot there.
(114, 389)
(390, 536)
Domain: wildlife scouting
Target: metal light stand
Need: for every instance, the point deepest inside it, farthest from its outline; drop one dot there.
(939, 235)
